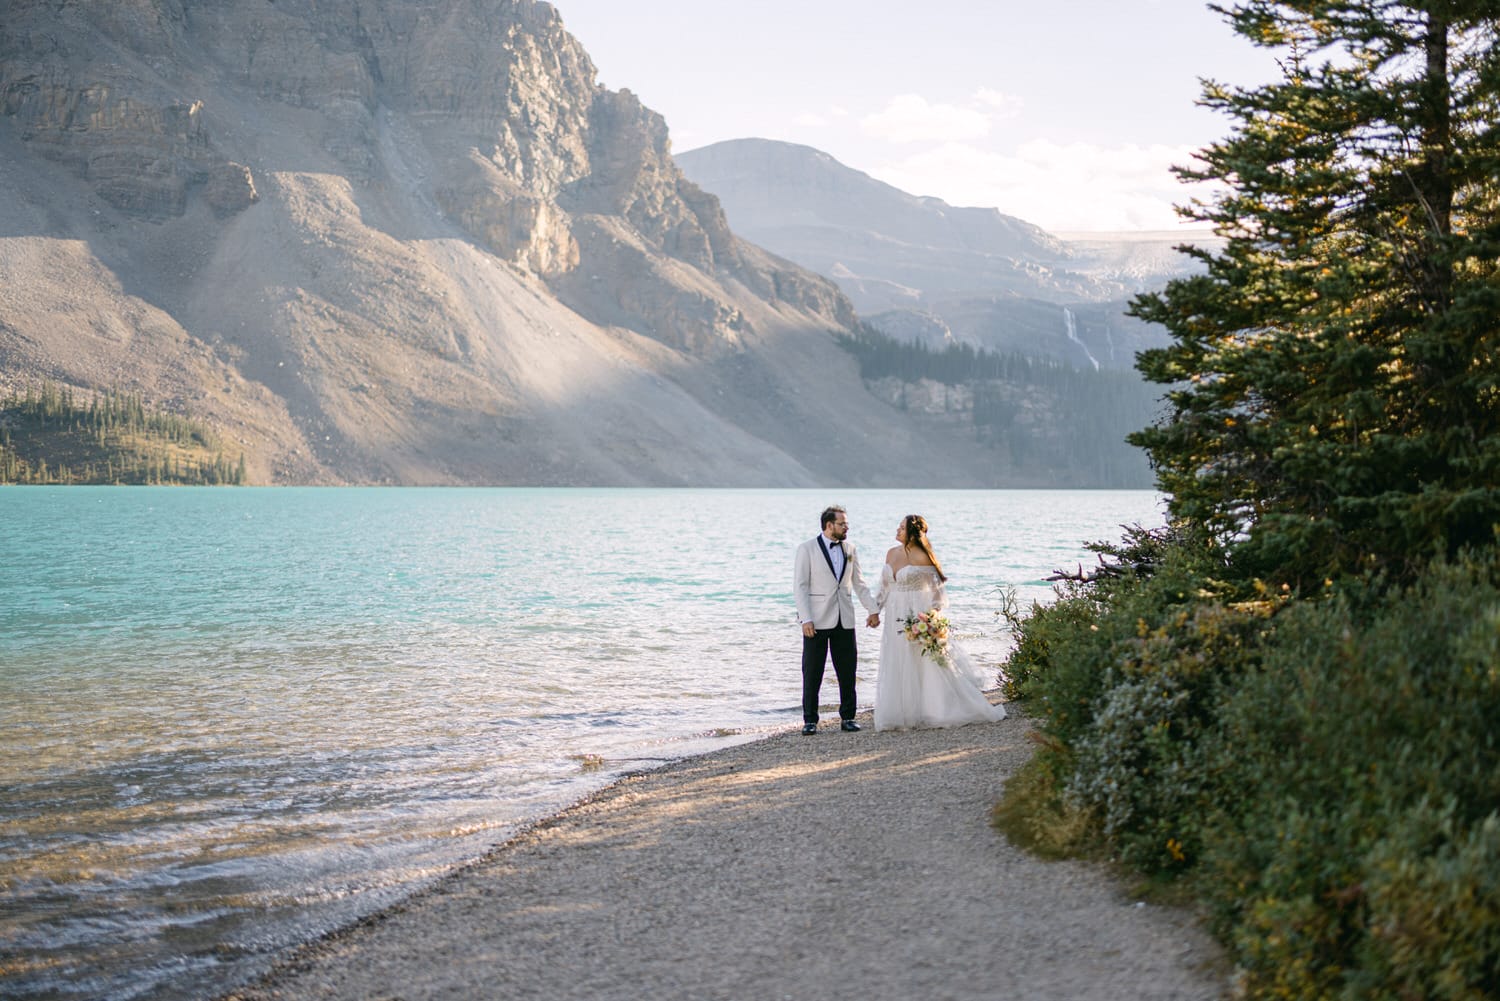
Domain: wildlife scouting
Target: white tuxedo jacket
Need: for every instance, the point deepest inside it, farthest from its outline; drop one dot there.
(823, 599)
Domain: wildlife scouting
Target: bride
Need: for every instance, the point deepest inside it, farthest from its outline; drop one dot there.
(913, 689)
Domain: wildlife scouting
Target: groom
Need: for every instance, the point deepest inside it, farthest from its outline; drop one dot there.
(826, 570)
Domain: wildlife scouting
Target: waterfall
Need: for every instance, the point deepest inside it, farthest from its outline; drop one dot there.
(1072, 326)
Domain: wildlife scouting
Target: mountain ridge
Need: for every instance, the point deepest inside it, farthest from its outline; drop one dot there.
(917, 267)
(409, 241)
(803, 171)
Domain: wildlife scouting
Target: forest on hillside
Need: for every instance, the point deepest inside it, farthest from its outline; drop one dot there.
(1042, 415)
(49, 436)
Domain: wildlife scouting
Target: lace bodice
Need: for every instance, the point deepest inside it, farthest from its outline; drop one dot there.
(913, 578)
(911, 582)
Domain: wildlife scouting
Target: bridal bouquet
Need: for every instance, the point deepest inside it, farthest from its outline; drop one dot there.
(929, 630)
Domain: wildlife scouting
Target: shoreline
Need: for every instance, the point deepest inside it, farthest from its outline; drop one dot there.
(784, 866)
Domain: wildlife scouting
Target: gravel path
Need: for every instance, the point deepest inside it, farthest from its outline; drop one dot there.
(793, 867)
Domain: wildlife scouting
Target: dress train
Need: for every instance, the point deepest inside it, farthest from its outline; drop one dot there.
(912, 690)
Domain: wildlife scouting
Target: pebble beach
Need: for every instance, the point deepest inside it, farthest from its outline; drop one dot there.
(858, 864)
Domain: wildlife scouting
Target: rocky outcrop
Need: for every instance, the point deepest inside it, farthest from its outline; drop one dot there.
(143, 146)
(142, 155)
(926, 396)
(530, 231)
(230, 188)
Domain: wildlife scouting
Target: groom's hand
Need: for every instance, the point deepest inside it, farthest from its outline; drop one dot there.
(873, 620)
(808, 629)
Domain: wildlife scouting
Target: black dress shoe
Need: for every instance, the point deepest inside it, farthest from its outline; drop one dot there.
(810, 728)
(849, 725)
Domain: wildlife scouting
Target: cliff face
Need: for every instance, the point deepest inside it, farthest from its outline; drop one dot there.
(98, 108)
(530, 154)
(405, 241)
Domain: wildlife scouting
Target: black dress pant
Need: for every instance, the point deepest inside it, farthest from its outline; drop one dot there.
(815, 651)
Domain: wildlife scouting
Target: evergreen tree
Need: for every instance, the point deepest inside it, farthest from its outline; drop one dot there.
(1336, 406)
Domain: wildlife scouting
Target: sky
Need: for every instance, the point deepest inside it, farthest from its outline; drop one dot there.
(1066, 113)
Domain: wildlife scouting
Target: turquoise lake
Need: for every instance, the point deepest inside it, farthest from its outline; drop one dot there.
(234, 719)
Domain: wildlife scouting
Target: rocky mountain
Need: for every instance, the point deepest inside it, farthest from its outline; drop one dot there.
(410, 241)
(921, 269)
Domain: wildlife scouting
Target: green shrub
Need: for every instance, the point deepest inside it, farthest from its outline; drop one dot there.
(1324, 771)
(1065, 651)
(1433, 898)
(1366, 752)
(1034, 815)
(1046, 640)
(1124, 672)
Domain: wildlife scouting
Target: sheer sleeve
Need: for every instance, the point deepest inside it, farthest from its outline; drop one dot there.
(939, 593)
(887, 578)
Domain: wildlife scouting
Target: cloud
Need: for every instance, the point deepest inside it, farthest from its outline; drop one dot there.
(1002, 105)
(910, 118)
(1059, 186)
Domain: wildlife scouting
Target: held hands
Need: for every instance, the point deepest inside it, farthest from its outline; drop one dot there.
(808, 629)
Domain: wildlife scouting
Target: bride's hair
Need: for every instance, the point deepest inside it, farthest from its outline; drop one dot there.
(915, 528)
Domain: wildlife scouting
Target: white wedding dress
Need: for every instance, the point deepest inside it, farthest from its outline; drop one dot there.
(912, 690)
